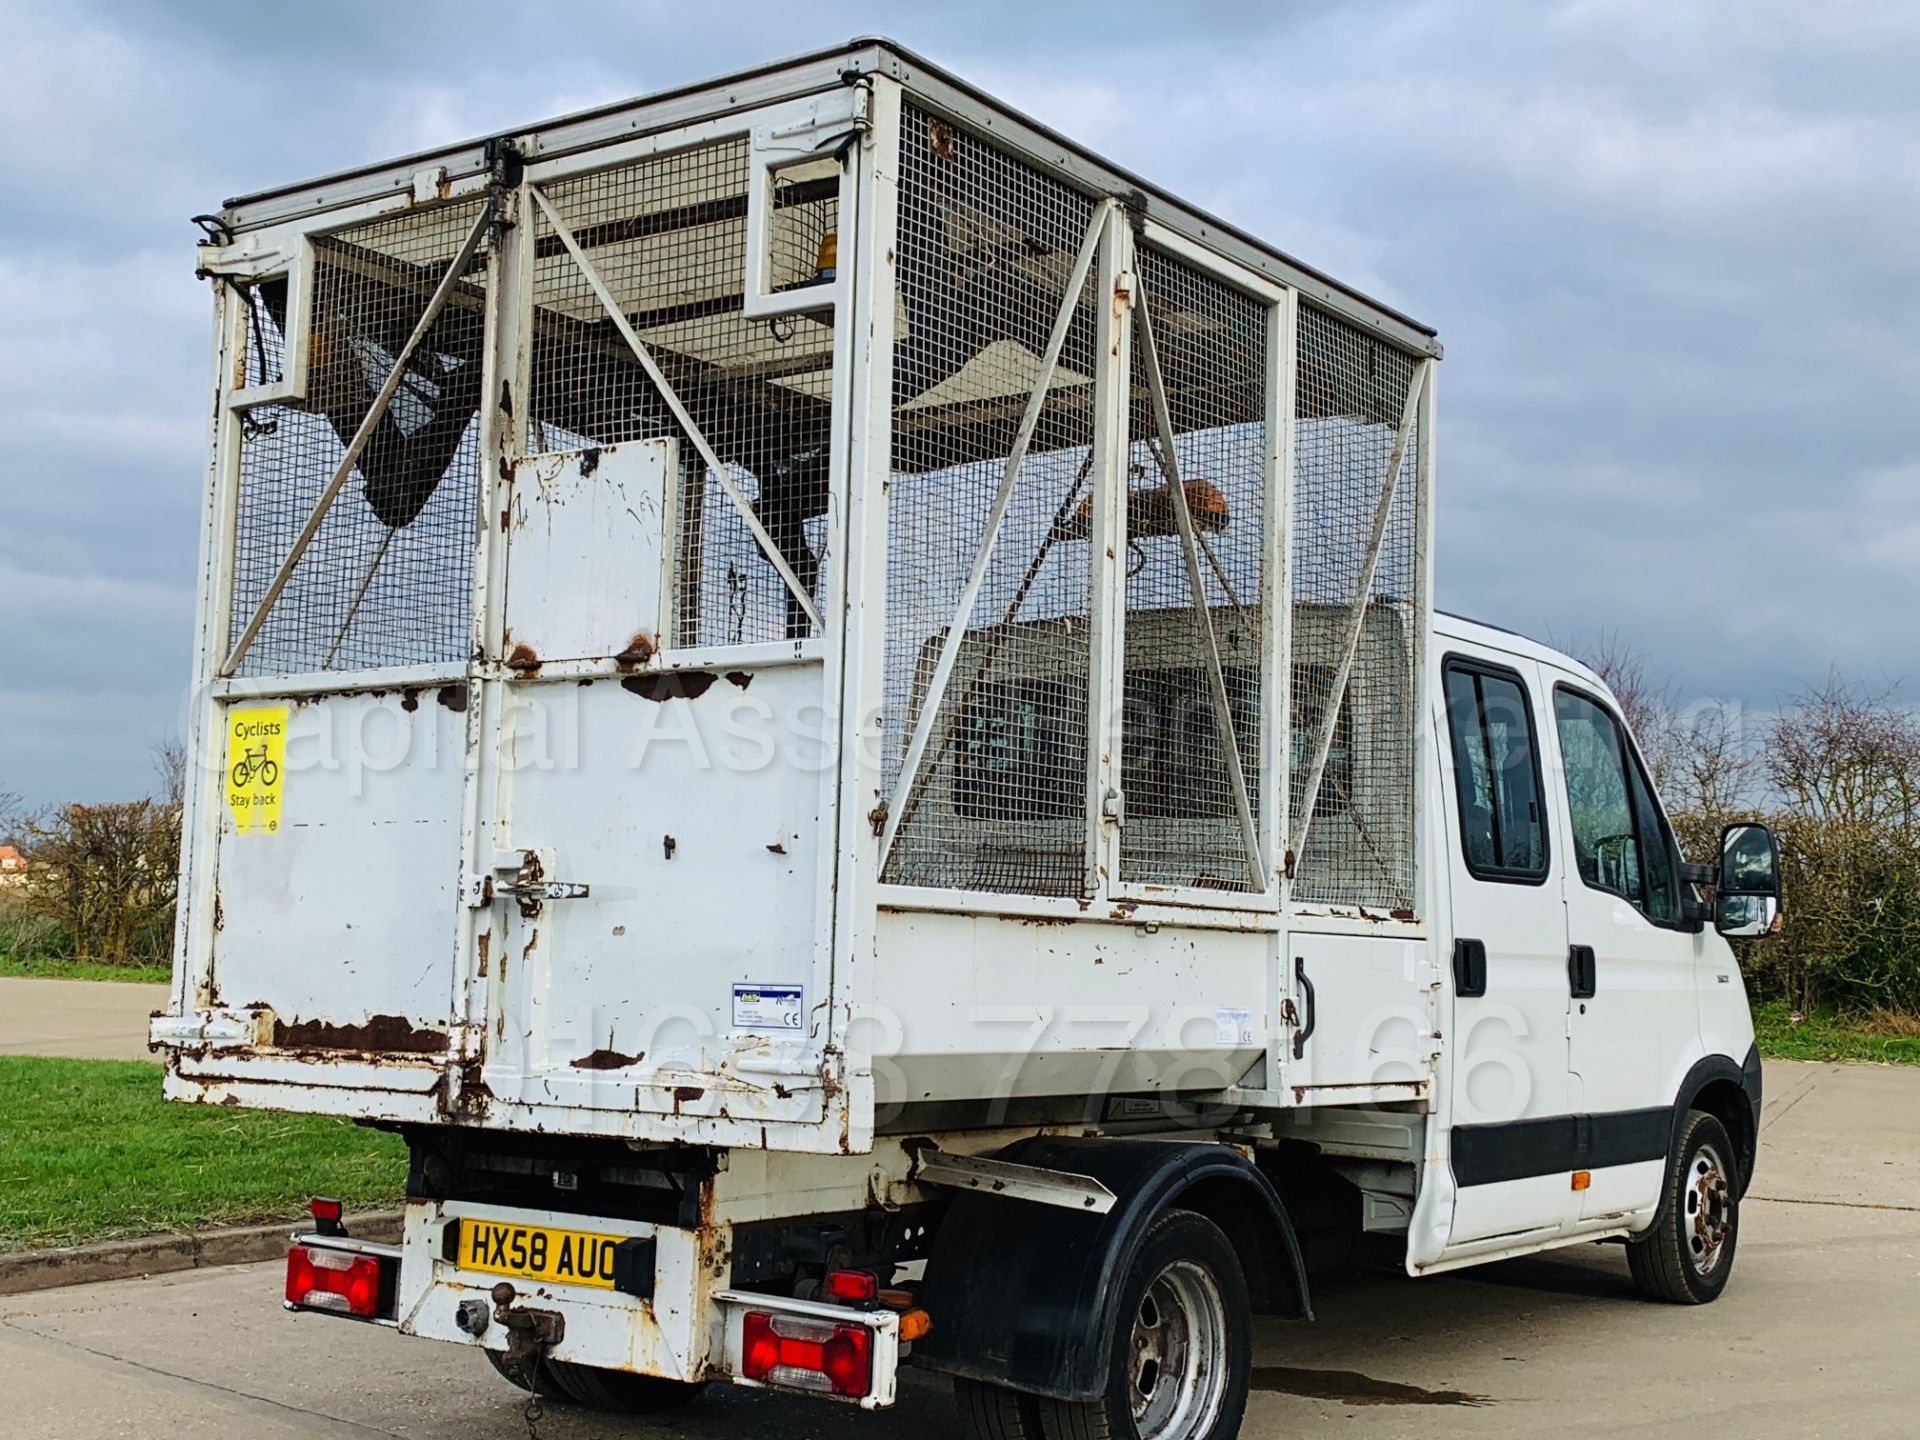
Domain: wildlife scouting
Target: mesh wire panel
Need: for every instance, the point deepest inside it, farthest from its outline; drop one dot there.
(668, 235)
(985, 254)
(1182, 820)
(387, 579)
(1352, 391)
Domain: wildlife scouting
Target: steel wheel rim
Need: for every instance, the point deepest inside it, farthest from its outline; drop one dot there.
(1177, 1357)
(1707, 1198)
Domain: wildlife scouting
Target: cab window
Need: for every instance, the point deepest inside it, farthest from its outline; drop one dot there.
(1496, 768)
(1619, 839)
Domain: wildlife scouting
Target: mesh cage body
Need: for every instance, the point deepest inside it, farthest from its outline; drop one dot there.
(985, 253)
(668, 235)
(1352, 390)
(387, 579)
(1182, 820)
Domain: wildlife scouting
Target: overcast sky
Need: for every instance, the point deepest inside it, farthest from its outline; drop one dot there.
(1673, 251)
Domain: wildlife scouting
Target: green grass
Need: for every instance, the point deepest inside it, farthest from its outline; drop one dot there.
(1825, 1034)
(89, 1150)
(48, 968)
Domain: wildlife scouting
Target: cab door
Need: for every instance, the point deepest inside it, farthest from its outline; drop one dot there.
(1633, 1020)
(1511, 1098)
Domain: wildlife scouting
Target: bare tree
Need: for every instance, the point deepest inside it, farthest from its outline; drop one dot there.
(102, 879)
(1712, 763)
(1645, 706)
(1845, 764)
(170, 768)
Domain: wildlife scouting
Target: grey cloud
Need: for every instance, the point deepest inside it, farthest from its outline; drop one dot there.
(1669, 249)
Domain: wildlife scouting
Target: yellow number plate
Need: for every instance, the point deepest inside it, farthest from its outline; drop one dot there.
(535, 1252)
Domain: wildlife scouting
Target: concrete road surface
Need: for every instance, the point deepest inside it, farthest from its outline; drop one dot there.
(1815, 1337)
(83, 1019)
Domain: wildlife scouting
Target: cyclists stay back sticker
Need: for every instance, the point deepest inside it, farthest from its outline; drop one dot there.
(256, 764)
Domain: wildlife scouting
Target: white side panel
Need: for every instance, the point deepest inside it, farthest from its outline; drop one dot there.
(977, 1007)
(1370, 1002)
(584, 550)
(345, 914)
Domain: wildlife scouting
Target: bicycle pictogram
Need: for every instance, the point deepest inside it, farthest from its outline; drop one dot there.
(255, 764)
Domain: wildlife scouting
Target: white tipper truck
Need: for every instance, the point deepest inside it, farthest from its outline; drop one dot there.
(832, 706)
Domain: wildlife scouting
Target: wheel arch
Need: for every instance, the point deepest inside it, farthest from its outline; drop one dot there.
(1038, 1325)
(1731, 1093)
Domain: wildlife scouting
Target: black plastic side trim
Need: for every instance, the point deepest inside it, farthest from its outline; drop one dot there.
(1559, 1145)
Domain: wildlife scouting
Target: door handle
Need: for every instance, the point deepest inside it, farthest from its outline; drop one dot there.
(1583, 972)
(1469, 969)
(1305, 1032)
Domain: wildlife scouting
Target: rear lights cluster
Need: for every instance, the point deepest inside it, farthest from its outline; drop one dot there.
(820, 1355)
(339, 1281)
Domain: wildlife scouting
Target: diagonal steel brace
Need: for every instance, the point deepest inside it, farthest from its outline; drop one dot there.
(442, 293)
(1196, 582)
(1357, 617)
(678, 410)
(996, 516)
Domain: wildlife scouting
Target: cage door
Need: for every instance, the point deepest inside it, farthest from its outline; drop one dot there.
(585, 553)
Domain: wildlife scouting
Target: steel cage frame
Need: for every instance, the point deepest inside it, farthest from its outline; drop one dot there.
(853, 600)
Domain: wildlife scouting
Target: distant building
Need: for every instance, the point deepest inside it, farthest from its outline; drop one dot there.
(13, 865)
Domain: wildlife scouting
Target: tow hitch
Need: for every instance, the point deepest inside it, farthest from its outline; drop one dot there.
(530, 1333)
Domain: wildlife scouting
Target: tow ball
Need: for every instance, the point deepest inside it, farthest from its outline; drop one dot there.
(529, 1332)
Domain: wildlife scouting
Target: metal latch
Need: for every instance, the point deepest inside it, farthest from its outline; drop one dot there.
(538, 890)
(483, 890)
(520, 875)
(1114, 806)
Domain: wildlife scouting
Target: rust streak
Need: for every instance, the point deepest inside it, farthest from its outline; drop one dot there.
(454, 697)
(676, 685)
(604, 1059)
(379, 1032)
(640, 649)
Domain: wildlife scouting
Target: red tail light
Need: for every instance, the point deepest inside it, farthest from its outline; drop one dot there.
(807, 1354)
(335, 1280)
(854, 1287)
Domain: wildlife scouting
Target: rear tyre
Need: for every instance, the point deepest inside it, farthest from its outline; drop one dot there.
(543, 1385)
(622, 1391)
(619, 1391)
(993, 1412)
(1687, 1258)
(1181, 1344)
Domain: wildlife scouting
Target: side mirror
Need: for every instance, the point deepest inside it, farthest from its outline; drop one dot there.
(1746, 903)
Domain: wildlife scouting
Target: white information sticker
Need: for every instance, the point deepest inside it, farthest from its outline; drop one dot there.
(1233, 1027)
(766, 1008)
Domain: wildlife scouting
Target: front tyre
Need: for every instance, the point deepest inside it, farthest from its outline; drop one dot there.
(1181, 1344)
(1687, 1258)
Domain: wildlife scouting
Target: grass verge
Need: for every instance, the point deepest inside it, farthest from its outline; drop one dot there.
(1826, 1034)
(90, 1151)
(47, 968)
